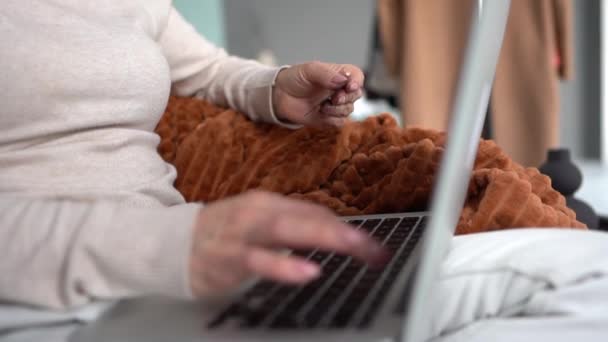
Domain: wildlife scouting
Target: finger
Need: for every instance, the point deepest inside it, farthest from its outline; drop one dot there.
(354, 96)
(342, 97)
(280, 267)
(356, 78)
(353, 86)
(262, 207)
(332, 121)
(339, 111)
(325, 75)
(299, 231)
(339, 98)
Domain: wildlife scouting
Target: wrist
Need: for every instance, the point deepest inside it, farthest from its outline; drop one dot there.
(279, 99)
(278, 96)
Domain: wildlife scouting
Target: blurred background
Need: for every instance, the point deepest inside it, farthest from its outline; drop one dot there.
(341, 31)
(346, 31)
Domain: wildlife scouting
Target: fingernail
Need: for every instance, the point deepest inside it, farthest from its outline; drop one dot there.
(342, 99)
(308, 270)
(353, 86)
(339, 79)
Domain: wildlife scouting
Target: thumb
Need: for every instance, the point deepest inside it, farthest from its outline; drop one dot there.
(326, 75)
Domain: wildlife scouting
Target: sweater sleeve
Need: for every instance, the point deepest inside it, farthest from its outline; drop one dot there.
(59, 254)
(200, 68)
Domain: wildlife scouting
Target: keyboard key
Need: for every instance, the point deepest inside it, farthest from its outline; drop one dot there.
(318, 257)
(254, 315)
(390, 277)
(424, 221)
(284, 322)
(302, 253)
(254, 319)
(333, 293)
(325, 300)
(300, 300)
(408, 222)
(385, 228)
(314, 316)
(355, 223)
(334, 263)
(391, 222)
(343, 317)
(260, 289)
(223, 317)
(370, 224)
(355, 298)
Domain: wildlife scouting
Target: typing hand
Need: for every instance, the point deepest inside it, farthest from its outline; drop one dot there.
(241, 237)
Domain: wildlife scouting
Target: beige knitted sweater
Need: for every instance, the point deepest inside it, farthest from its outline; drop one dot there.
(87, 206)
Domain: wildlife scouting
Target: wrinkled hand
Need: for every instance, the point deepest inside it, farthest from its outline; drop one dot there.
(242, 237)
(301, 91)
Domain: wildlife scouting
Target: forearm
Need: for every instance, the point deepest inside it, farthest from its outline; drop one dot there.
(200, 68)
(60, 254)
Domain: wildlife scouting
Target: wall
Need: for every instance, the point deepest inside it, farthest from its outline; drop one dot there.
(340, 31)
(206, 15)
(580, 98)
(301, 30)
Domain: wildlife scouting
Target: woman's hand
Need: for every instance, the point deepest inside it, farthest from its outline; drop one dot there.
(241, 237)
(301, 91)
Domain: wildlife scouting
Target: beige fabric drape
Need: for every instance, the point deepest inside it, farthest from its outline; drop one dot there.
(423, 42)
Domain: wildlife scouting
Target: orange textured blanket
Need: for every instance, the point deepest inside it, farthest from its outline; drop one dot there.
(367, 167)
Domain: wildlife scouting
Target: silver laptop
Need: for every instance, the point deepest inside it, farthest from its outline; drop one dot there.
(349, 301)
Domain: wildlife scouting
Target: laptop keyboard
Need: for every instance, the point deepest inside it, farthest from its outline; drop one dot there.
(347, 294)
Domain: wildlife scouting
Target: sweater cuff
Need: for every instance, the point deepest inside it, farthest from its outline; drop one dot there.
(262, 100)
(169, 272)
(143, 252)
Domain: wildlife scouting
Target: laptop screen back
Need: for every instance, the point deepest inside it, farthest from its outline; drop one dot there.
(466, 121)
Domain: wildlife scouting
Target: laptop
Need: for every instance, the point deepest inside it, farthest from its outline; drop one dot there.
(349, 301)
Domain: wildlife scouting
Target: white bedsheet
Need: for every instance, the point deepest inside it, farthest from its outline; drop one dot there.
(514, 285)
(524, 285)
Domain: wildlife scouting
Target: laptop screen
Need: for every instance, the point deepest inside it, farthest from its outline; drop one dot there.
(468, 114)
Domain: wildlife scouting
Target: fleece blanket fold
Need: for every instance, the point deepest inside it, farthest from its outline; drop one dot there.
(368, 167)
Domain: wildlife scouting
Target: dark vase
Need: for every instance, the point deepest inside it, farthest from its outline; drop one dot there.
(567, 178)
